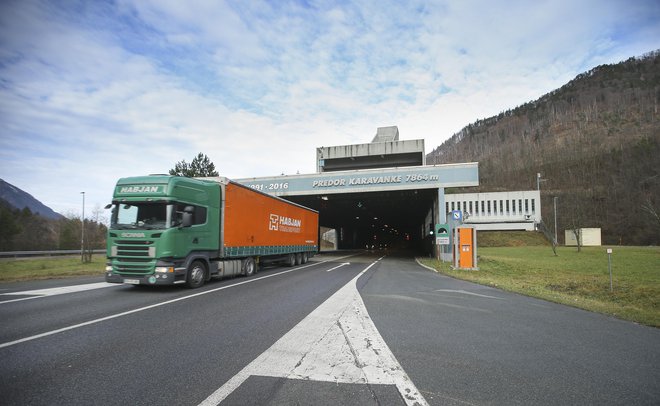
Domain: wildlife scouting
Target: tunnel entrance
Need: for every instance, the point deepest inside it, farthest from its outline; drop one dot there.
(375, 195)
(374, 220)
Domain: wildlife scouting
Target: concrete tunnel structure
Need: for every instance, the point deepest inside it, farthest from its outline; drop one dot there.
(376, 194)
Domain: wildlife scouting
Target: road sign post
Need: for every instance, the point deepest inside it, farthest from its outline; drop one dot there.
(609, 265)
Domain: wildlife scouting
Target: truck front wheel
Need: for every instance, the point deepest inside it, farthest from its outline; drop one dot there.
(196, 275)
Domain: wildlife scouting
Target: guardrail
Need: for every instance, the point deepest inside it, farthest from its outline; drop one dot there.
(24, 254)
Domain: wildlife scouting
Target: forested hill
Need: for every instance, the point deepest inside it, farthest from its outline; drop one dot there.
(596, 142)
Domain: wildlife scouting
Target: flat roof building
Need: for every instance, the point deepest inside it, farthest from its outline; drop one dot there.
(384, 151)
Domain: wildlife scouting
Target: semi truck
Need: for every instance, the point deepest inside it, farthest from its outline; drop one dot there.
(167, 230)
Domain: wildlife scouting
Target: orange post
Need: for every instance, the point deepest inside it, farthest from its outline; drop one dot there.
(466, 248)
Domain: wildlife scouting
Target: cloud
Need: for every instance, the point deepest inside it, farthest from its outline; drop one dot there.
(94, 91)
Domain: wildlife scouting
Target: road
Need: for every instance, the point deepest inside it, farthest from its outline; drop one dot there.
(368, 328)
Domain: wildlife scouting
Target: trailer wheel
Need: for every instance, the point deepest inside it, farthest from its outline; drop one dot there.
(196, 275)
(249, 266)
(298, 258)
(305, 258)
(291, 260)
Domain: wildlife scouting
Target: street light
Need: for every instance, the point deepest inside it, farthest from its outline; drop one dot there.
(82, 227)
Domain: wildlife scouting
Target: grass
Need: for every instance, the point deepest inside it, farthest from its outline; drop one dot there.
(511, 239)
(49, 268)
(572, 278)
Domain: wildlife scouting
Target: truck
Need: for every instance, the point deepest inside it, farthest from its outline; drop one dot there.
(168, 230)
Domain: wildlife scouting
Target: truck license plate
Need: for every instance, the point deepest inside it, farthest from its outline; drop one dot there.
(132, 281)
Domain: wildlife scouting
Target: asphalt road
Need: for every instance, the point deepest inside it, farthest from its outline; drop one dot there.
(357, 330)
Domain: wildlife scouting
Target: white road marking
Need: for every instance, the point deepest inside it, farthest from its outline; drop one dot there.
(114, 316)
(35, 294)
(337, 342)
(338, 266)
(465, 292)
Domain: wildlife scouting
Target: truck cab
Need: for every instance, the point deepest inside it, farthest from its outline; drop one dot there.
(160, 226)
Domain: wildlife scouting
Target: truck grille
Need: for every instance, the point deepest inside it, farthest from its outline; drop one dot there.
(133, 257)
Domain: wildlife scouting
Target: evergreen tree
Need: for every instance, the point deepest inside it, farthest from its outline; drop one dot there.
(201, 166)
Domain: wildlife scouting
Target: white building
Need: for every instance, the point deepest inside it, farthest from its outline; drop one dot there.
(498, 210)
(589, 237)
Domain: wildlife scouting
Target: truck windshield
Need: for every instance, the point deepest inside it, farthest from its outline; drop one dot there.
(149, 216)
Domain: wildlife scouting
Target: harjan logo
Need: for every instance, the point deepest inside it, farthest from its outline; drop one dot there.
(274, 222)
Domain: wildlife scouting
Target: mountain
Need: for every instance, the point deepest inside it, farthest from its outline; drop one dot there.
(596, 143)
(18, 199)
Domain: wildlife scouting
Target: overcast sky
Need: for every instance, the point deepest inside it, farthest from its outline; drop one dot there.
(92, 91)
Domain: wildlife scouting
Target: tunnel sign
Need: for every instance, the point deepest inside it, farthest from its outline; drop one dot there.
(368, 180)
(442, 234)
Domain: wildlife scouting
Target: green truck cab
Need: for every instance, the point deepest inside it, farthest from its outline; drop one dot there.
(163, 231)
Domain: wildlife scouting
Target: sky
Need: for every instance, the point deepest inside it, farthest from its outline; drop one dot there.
(92, 91)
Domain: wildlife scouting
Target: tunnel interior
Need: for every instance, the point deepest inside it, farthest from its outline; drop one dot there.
(375, 220)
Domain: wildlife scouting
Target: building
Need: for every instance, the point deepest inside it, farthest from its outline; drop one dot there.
(519, 210)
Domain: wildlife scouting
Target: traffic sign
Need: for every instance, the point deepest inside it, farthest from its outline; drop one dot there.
(442, 234)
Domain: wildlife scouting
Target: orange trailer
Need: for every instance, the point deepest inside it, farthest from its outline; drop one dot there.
(259, 224)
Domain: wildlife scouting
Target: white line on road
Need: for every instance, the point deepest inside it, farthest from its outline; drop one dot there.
(114, 316)
(465, 292)
(35, 294)
(338, 266)
(337, 342)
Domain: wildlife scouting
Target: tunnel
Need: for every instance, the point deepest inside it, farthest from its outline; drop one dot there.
(375, 220)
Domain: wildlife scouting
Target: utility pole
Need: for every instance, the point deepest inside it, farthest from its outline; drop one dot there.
(82, 228)
(554, 199)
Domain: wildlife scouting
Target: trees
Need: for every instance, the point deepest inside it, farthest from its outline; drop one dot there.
(199, 167)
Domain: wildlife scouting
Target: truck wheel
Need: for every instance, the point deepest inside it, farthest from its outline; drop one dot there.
(298, 258)
(249, 266)
(304, 258)
(291, 260)
(196, 275)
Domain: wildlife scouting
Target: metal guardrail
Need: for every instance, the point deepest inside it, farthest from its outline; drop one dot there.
(23, 254)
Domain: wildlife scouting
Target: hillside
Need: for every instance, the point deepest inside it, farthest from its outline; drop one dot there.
(18, 199)
(596, 142)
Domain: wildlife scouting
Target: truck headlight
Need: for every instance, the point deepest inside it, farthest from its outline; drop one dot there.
(164, 269)
(108, 268)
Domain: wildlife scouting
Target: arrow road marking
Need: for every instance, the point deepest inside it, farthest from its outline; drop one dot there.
(337, 342)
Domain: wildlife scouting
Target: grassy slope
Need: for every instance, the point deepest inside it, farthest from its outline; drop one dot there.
(577, 279)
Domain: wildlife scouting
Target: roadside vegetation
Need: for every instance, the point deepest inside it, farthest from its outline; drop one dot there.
(579, 279)
(12, 270)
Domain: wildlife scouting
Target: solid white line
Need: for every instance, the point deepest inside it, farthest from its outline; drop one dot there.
(39, 293)
(337, 342)
(114, 316)
(338, 266)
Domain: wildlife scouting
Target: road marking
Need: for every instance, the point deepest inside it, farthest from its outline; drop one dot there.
(337, 342)
(126, 313)
(465, 292)
(338, 266)
(38, 293)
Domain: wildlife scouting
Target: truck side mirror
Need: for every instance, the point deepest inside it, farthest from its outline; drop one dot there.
(188, 216)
